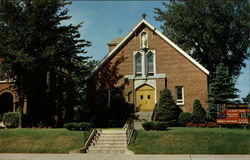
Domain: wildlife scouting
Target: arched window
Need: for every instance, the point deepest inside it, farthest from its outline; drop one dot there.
(138, 64)
(150, 64)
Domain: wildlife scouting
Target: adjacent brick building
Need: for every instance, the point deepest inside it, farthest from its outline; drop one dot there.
(49, 104)
(144, 63)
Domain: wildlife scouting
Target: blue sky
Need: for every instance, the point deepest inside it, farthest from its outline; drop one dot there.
(106, 20)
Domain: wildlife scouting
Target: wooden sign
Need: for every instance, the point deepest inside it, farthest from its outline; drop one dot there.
(232, 113)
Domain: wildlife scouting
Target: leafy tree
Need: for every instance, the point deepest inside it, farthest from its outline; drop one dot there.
(212, 32)
(246, 99)
(221, 90)
(199, 113)
(33, 41)
(167, 110)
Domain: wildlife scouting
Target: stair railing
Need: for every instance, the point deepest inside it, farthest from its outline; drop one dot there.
(129, 128)
(90, 139)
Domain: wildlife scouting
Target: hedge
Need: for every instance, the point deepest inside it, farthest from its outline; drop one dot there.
(78, 126)
(10, 119)
(155, 125)
(184, 118)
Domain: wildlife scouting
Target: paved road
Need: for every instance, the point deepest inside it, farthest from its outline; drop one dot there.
(119, 157)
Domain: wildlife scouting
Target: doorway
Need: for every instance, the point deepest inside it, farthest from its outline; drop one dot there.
(145, 98)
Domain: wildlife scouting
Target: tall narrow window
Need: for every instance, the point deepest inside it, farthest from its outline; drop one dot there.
(57, 80)
(109, 97)
(138, 64)
(150, 64)
(64, 94)
(179, 95)
(48, 81)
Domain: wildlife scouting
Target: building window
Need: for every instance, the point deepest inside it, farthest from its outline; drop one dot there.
(57, 80)
(179, 95)
(138, 64)
(109, 97)
(64, 95)
(129, 94)
(48, 81)
(150, 64)
(64, 80)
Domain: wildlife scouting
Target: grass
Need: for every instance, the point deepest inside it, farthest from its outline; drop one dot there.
(40, 140)
(192, 141)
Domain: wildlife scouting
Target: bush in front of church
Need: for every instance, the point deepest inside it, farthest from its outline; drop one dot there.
(10, 119)
(199, 113)
(153, 125)
(184, 118)
(167, 110)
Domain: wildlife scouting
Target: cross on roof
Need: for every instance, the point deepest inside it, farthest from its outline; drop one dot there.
(143, 16)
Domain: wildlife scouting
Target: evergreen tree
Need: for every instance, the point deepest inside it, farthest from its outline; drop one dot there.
(167, 110)
(34, 41)
(246, 99)
(199, 113)
(222, 89)
(211, 31)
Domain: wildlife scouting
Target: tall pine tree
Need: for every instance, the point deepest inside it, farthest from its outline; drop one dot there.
(222, 89)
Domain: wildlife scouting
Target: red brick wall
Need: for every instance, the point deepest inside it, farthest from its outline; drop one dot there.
(179, 70)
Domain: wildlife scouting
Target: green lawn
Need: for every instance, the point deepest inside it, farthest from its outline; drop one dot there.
(40, 140)
(193, 141)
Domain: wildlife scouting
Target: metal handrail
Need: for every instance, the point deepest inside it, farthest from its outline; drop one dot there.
(92, 135)
(129, 127)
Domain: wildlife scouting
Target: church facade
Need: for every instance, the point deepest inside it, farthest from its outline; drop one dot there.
(144, 63)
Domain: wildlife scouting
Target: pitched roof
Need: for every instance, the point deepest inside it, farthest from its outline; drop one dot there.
(115, 41)
(130, 34)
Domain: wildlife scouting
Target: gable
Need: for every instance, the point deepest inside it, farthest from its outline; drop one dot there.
(131, 34)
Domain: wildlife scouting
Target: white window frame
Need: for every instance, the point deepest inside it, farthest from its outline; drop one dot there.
(154, 62)
(142, 64)
(179, 101)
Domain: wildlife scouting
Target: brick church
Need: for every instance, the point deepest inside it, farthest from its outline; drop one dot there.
(144, 63)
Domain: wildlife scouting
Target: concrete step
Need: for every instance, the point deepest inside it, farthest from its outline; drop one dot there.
(110, 142)
(107, 148)
(113, 131)
(106, 151)
(110, 145)
(111, 138)
(138, 124)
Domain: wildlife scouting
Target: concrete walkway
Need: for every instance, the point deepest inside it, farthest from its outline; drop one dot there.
(119, 157)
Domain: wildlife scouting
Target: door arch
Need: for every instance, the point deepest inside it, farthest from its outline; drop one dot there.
(6, 102)
(145, 98)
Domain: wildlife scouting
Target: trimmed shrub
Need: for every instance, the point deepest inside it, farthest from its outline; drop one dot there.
(199, 113)
(167, 110)
(184, 118)
(10, 119)
(155, 125)
(78, 126)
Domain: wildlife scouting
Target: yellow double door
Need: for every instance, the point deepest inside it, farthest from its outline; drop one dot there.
(145, 98)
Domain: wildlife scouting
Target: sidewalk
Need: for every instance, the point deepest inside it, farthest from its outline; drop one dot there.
(21, 156)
